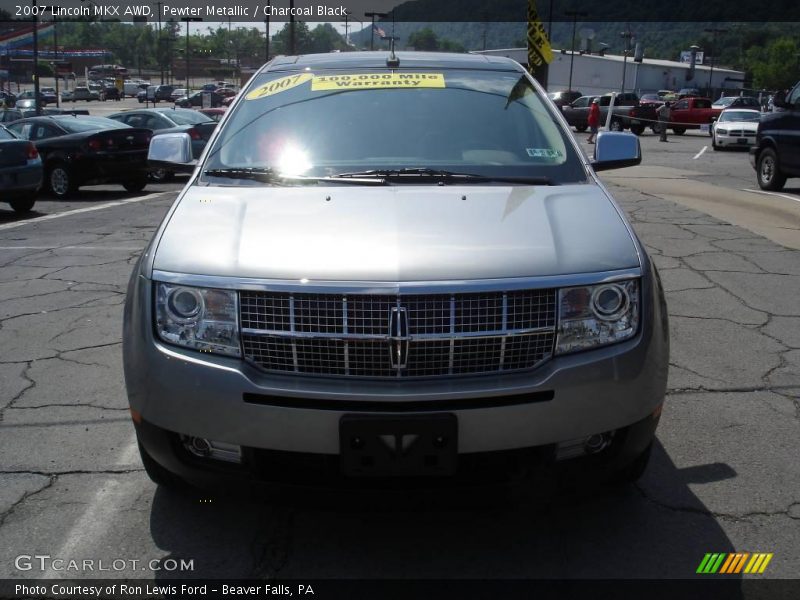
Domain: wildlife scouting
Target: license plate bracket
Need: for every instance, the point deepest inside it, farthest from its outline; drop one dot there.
(398, 446)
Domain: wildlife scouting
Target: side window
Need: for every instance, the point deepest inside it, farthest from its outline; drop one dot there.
(683, 104)
(605, 100)
(23, 130)
(794, 97)
(42, 132)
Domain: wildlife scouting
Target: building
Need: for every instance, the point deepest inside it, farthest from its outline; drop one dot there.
(596, 74)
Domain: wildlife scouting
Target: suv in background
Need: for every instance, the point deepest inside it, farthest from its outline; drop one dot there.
(776, 154)
(564, 97)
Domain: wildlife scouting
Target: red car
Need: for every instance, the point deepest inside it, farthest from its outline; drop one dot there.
(214, 113)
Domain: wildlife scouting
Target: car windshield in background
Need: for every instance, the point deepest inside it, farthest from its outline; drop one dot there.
(740, 115)
(488, 123)
(5, 134)
(186, 117)
(79, 124)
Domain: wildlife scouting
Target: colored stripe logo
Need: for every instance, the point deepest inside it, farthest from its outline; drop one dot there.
(734, 563)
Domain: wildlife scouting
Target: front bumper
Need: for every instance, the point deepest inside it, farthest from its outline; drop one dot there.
(733, 141)
(227, 400)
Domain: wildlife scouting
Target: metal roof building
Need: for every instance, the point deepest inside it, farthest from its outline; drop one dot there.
(596, 74)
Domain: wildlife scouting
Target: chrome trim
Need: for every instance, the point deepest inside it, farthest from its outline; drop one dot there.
(417, 337)
(388, 287)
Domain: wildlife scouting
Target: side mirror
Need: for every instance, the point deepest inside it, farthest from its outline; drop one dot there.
(615, 150)
(171, 151)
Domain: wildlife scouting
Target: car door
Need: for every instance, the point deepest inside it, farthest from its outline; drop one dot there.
(680, 112)
(789, 136)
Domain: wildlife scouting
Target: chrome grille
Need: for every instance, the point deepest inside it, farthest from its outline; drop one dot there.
(406, 335)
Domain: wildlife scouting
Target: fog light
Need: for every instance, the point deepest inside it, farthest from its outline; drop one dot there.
(597, 443)
(198, 446)
(210, 449)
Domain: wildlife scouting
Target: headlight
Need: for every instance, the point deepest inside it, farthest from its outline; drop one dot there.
(597, 315)
(198, 318)
(721, 131)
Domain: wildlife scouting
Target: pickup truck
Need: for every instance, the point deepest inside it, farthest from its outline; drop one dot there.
(691, 113)
(577, 113)
(776, 153)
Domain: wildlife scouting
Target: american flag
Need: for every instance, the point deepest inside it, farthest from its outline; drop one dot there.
(379, 31)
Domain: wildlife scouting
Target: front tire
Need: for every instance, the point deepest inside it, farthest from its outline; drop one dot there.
(23, 205)
(637, 129)
(61, 181)
(135, 185)
(767, 172)
(678, 130)
(615, 125)
(581, 128)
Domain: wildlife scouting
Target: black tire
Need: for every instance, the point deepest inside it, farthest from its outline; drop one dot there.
(158, 474)
(678, 130)
(616, 125)
(61, 181)
(633, 472)
(23, 205)
(581, 128)
(767, 171)
(135, 185)
(637, 129)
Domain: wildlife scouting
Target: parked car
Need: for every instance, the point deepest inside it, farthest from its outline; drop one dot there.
(577, 113)
(215, 114)
(178, 93)
(7, 99)
(83, 93)
(49, 94)
(26, 100)
(750, 102)
(159, 93)
(688, 93)
(196, 99)
(110, 92)
(226, 102)
(67, 96)
(198, 126)
(735, 127)
(10, 114)
(80, 150)
(653, 99)
(20, 171)
(500, 310)
(225, 92)
(141, 96)
(564, 97)
(691, 113)
(776, 154)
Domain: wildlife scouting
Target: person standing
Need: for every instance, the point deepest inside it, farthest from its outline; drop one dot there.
(664, 112)
(593, 120)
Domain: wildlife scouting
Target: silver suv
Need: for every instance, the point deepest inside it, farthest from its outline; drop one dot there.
(392, 266)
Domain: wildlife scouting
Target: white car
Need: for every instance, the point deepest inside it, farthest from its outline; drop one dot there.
(736, 127)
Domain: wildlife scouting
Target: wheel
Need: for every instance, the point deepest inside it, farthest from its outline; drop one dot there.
(678, 130)
(632, 472)
(23, 205)
(161, 175)
(581, 128)
(637, 129)
(158, 474)
(61, 181)
(135, 185)
(767, 172)
(616, 125)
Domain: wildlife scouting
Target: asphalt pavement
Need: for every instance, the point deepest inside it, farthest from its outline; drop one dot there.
(724, 477)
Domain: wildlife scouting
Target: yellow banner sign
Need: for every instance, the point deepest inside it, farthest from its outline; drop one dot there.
(360, 81)
(539, 50)
(276, 86)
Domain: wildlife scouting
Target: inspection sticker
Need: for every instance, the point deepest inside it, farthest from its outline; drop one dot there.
(276, 86)
(543, 153)
(356, 81)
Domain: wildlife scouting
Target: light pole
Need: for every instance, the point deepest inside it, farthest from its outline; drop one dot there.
(713, 31)
(266, 33)
(626, 35)
(574, 14)
(292, 49)
(372, 29)
(188, 20)
(36, 107)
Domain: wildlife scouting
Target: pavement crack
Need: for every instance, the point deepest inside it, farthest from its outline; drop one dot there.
(51, 479)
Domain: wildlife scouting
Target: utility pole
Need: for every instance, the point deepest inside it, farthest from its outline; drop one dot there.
(713, 31)
(266, 33)
(574, 14)
(188, 20)
(159, 49)
(626, 35)
(37, 108)
(292, 50)
(55, 54)
(372, 30)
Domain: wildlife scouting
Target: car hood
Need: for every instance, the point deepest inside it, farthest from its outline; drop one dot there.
(739, 125)
(395, 233)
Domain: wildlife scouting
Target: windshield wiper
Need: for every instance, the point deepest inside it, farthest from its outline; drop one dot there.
(412, 173)
(269, 175)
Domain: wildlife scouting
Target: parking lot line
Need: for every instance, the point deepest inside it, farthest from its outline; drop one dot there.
(773, 194)
(699, 154)
(68, 213)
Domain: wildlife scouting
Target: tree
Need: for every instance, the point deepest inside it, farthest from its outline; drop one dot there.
(424, 39)
(774, 67)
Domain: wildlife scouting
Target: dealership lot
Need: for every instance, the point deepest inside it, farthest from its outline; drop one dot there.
(724, 477)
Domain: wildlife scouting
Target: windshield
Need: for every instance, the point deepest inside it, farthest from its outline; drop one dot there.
(5, 134)
(77, 125)
(186, 117)
(486, 123)
(739, 115)
(725, 101)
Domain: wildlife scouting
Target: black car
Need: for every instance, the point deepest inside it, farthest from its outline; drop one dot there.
(110, 93)
(776, 154)
(20, 171)
(564, 97)
(170, 120)
(8, 99)
(196, 99)
(81, 150)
